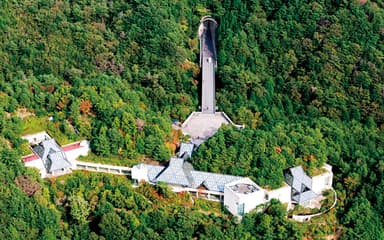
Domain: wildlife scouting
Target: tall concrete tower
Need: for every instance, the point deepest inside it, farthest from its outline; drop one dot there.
(208, 63)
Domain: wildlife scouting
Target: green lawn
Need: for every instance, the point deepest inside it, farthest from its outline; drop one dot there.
(112, 160)
(34, 125)
(38, 124)
(26, 149)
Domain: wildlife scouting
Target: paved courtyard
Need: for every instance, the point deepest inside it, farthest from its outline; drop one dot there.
(201, 126)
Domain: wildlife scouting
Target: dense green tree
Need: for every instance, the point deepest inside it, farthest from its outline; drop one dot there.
(305, 77)
(362, 222)
(79, 209)
(111, 227)
(101, 144)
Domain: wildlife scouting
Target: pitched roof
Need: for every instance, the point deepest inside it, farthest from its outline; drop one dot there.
(301, 185)
(153, 170)
(174, 173)
(181, 172)
(300, 177)
(212, 181)
(58, 160)
(306, 196)
(52, 155)
(186, 148)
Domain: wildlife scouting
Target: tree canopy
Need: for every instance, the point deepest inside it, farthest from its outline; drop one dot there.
(305, 77)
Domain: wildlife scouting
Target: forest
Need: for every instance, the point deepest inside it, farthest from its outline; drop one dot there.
(305, 77)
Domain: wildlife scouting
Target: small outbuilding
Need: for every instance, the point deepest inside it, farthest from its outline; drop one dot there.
(49, 157)
(54, 158)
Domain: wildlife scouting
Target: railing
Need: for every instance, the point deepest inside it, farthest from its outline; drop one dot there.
(185, 123)
(201, 193)
(96, 167)
(305, 218)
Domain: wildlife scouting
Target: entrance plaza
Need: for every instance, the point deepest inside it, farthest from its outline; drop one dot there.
(201, 126)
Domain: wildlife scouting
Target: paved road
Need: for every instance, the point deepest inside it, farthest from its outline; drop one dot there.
(208, 65)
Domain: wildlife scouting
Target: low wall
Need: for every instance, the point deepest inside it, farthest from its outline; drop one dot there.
(305, 218)
(188, 119)
(96, 167)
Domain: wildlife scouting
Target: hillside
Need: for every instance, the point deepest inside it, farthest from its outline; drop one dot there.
(305, 77)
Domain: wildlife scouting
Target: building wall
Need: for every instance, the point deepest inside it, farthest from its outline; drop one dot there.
(38, 164)
(283, 194)
(139, 174)
(231, 200)
(322, 182)
(60, 172)
(83, 150)
(252, 200)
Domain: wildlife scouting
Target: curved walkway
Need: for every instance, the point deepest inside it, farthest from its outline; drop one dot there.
(305, 218)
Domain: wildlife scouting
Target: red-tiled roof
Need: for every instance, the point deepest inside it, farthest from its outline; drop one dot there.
(72, 146)
(30, 158)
